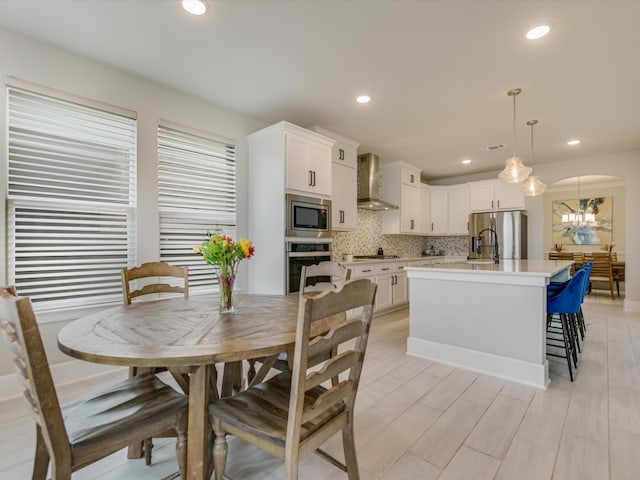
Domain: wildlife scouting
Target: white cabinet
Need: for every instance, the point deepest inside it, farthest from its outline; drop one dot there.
(439, 208)
(409, 175)
(425, 206)
(280, 158)
(344, 202)
(495, 195)
(308, 162)
(509, 196)
(391, 280)
(401, 186)
(458, 210)
(344, 196)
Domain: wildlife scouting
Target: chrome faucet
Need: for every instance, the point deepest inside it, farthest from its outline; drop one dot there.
(496, 254)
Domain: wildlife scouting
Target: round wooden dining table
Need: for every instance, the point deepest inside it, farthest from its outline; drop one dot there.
(188, 336)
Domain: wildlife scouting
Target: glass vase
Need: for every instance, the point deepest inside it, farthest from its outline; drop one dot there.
(226, 282)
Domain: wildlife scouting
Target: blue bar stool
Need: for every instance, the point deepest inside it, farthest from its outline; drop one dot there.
(565, 303)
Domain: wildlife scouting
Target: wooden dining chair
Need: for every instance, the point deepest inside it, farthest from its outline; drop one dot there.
(79, 433)
(553, 255)
(163, 278)
(313, 279)
(292, 414)
(602, 269)
(158, 271)
(323, 276)
(618, 271)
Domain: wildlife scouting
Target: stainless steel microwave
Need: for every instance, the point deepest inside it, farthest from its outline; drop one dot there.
(308, 216)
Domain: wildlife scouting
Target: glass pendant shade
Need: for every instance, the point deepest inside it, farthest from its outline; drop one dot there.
(514, 171)
(533, 186)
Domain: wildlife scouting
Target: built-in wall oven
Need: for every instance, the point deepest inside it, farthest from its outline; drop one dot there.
(301, 253)
(308, 217)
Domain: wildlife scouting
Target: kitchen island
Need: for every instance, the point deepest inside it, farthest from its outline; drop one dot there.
(484, 317)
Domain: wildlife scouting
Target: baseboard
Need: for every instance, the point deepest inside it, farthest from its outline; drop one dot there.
(63, 374)
(631, 306)
(494, 365)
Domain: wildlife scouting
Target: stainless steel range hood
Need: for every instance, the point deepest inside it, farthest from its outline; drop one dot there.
(369, 184)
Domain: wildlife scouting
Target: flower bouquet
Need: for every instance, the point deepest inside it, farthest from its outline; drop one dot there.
(223, 253)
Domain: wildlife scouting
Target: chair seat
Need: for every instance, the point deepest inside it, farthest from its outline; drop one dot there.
(263, 409)
(135, 401)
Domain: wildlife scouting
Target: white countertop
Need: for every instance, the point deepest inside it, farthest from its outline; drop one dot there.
(544, 268)
(359, 261)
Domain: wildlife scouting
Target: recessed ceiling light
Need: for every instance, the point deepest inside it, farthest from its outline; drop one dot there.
(195, 7)
(538, 31)
(573, 142)
(363, 99)
(466, 161)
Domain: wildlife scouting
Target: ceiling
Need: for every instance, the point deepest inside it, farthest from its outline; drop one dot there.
(438, 72)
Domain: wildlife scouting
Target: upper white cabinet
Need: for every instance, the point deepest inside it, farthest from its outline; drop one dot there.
(401, 186)
(439, 208)
(409, 175)
(307, 161)
(344, 197)
(495, 195)
(425, 205)
(459, 210)
(280, 159)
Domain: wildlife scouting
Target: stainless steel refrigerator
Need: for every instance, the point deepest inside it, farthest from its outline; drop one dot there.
(506, 229)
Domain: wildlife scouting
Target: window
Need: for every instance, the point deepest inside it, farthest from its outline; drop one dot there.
(197, 193)
(71, 196)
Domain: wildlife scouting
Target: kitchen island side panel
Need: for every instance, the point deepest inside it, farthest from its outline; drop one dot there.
(505, 320)
(486, 318)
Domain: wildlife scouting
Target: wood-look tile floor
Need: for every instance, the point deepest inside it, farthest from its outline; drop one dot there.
(418, 419)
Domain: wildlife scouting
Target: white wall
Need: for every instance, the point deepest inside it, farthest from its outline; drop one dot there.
(40, 63)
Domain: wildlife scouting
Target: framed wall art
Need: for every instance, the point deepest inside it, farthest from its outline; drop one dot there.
(588, 221)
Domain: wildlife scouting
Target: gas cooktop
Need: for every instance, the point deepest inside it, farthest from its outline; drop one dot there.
(379, 257)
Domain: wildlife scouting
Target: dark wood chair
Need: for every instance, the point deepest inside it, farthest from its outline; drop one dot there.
(292, 414)
(88, 429)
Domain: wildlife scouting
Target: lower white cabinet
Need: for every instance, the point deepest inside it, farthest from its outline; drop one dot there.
(391, 280)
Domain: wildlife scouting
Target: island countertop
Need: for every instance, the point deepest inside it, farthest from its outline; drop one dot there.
(538, 272)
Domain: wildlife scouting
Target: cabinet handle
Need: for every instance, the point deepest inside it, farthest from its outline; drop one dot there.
(310, 178)
(411, 177)
(412, 224)
(366, 271)
(432, 226)
(341, 154)
(491, 203)
(498, 203)
(341, 216)
(385, 269)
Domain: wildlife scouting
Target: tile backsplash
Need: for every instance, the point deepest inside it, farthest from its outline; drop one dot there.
(368, 237)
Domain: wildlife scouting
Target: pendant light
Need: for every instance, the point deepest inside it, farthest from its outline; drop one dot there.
(533, 186)
(514, 171)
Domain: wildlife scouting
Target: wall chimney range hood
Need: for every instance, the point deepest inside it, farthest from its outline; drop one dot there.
(369, 196)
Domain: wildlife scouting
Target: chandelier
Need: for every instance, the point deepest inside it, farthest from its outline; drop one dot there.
(579, 217)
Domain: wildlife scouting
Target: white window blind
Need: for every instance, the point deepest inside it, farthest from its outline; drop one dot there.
(197, 193)
(71, 197)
